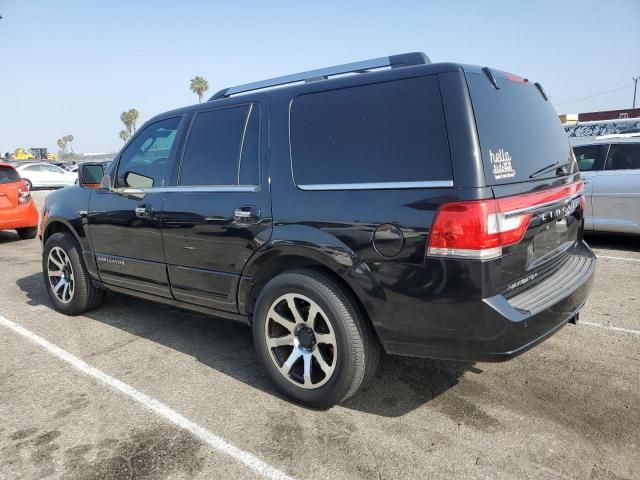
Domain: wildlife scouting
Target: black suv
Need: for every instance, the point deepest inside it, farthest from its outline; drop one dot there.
(432, 210)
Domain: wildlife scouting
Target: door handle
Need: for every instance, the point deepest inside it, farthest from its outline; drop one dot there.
(142, 211)
(246, 214)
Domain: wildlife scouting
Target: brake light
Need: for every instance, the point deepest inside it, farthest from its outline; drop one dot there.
(481, 228)
(24, 195)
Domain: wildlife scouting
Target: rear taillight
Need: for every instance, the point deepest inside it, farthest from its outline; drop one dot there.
(24, 195)
(481, 228)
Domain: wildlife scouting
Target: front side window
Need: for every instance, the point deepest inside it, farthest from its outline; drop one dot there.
(587, 156)
(624, 157)
(380, 133)
(143, 164)
(222, 148)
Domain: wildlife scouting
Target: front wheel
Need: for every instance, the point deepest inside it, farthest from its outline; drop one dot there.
(312, 338)
(66, 278)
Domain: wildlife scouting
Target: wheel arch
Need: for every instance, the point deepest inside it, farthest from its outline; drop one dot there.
(278, 259)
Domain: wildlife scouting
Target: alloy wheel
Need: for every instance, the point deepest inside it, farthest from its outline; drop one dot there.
(60, 275)
(301, 341)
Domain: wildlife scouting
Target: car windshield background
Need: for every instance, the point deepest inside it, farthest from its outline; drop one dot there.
(519, 131)
(143, 164)
(381, 133)
(222, 148)
(624, 157)
(8, 175)
(587, 156)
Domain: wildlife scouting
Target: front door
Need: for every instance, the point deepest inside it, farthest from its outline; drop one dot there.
(219, 213)
(124, 221)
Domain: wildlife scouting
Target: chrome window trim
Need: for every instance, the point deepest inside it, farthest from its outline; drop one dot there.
(188, 189)
(378, 185)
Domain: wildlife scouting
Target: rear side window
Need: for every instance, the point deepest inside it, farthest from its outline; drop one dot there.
(222, 148)
(623, 157)
(8, 175)
(386, 132)
(521, 137)
(588, 157)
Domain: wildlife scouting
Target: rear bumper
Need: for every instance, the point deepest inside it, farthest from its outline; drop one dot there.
(22, 216)
(496, 329)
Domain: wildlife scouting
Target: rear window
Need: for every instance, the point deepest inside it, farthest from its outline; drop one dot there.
(8, 175)
(519, 131)
(380, 133)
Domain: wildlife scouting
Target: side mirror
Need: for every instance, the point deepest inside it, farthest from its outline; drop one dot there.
(90, 175)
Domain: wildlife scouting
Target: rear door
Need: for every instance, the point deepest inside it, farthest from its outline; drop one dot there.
(124, 219)
(590, 160)
(616, 190)
(219, 213)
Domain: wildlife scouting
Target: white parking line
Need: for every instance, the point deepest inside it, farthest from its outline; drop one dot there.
(619, 258)
(611, 327)
(213, 440)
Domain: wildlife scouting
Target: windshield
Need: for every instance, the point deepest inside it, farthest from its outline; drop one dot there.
(521, 137)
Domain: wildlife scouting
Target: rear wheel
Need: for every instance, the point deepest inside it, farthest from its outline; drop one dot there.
(27, 233)
(312, 339)
(66, 278)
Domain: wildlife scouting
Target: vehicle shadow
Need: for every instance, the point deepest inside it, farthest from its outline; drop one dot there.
(402, 384)
(8, 236)
(613, 241)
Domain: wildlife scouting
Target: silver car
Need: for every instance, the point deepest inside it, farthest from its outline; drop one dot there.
(610, 167)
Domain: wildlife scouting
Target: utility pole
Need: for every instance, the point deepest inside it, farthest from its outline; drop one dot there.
(635, 87)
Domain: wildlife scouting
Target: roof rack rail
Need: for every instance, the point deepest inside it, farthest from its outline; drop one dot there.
(393, 61)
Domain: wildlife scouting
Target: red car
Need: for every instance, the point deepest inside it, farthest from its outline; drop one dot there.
(17, 210)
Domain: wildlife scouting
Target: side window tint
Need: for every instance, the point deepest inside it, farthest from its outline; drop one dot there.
(249, 167)
(143, 164)
(386, 132)
(624, 157)
(587, 156)
(212, 153)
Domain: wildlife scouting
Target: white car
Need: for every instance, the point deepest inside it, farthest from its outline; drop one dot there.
(46, 175)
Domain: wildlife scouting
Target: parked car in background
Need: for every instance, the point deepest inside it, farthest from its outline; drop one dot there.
(45, 175)
(610, 167)
(17, 210)
(408, 209)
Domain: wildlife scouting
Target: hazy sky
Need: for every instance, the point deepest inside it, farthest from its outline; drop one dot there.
(74, 66)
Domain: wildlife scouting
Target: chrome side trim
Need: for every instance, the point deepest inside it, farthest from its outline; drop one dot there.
(543, 205)
(378, 186)
(187, 189)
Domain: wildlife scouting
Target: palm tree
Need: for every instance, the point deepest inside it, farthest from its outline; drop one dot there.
(69, 139)
(199, 85)
(126, 119)
(133, 115)
(62, 144)
(124, 135)
(130, 118)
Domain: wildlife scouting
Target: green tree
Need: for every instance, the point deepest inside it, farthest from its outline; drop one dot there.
(130, 118)
(69, 139)
(199, 85)
(124, 135)
(125, 117)
(62, 144)
(134, 115)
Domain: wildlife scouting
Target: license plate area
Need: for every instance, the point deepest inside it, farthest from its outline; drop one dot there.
(556, 228)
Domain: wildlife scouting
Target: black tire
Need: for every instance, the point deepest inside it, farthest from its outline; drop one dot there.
(27, 233)
(85, 295)
(357, 348)
(29, 184)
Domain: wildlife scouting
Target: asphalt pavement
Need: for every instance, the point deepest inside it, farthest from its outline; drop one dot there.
(139, 390)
